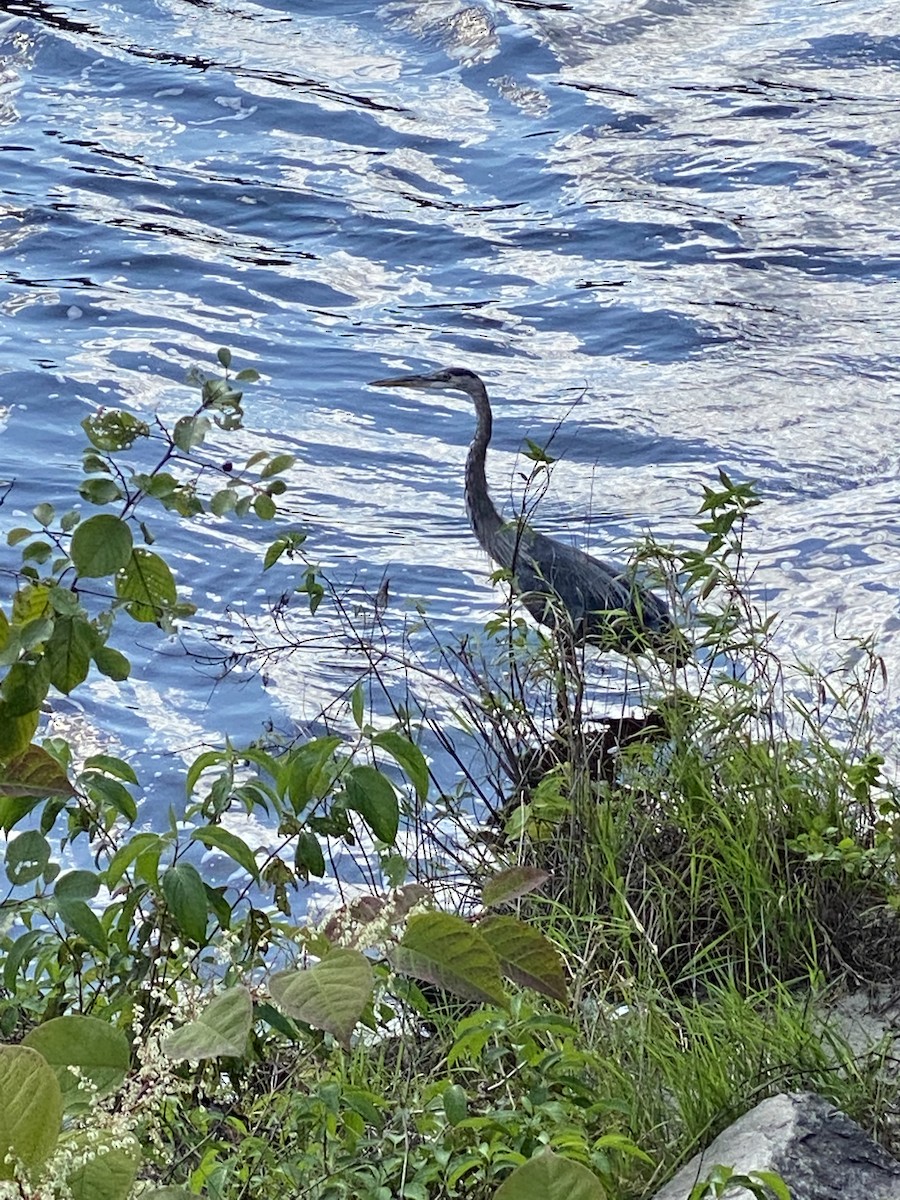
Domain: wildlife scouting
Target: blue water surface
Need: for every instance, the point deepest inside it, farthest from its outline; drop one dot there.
(668, 230)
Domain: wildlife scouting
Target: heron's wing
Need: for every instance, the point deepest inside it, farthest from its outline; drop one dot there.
(599, 597)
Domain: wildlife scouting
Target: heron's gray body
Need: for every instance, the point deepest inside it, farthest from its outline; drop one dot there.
(560, 586)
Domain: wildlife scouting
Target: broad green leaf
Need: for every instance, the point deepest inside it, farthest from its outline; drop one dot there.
(332, 995)
(509, 885)
(27, 855)
(14, 809)
(69, 652)
(43, 514)
(99, 1050)
(309, 770)
(148, 584)
(447, 951)
(223, 354)
(308, 856)
(19, 534)
(79, 918)
(372, 795)
(64, 601)
(77, 885)
(100, 546)
(16, 732)
(110, 765)
(277, 464)
(30, 1109)
(408, 756)
(31, 603)
(264, 506)
(220, 839)
(19, 953)
(222, 1029)
(223, 501)
(126, 855)
(525, 955)
(102, 490)
(110, 1165)
(209, 758)
(549, 1176)
(456, 1105)
(112, 663)
(186, 897)
(110, 792)
(190, 432)
(114, 429)
(25, 686)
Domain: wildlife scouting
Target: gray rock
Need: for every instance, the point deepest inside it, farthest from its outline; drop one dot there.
(816, 1149)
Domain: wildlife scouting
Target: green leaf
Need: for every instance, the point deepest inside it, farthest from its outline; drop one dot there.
(357, 702)
(101, 546)
(25, 686)
(248, 375)
(98, 1049)
(447, 951)
(100, 491)
(148, 584)
(456, 1105)
(223, 354)
(19, 534)
(220, 839)
(30, 1109)
(372, 795)
(34, 773)
(16, 732)
(30, 603)
(77, 885)
(186, 897)
(525, 955)
(408, 756)
(79, 918)
(222, 1029)
(110, 765)
(264, 507)
(65, 602)
(223, 502)
(549, 1176)
(69, 651)
(114, 429)
(27, 855)
(43, 514)
(286, 544)
(509, 885)
(110, 792)
(277, 464)
(112, 663)
(126, 855)
(190, 432)
(19, 954)
(332, 995)
(109, 1165)
(309, 770)
(308, 856)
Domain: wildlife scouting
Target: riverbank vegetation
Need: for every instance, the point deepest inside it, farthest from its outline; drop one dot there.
(565, 959)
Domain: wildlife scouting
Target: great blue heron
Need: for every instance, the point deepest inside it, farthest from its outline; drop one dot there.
(560, 586)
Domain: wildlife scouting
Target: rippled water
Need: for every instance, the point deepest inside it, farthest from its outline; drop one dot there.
(670, 225)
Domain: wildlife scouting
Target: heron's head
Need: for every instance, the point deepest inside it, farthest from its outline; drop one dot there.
(448, 379)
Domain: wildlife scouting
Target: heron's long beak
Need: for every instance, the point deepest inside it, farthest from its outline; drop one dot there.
(402, 381)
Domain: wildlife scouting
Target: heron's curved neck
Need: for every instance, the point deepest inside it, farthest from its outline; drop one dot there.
(483, 516)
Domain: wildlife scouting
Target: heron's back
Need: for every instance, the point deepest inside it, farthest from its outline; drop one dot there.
(601, 602)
